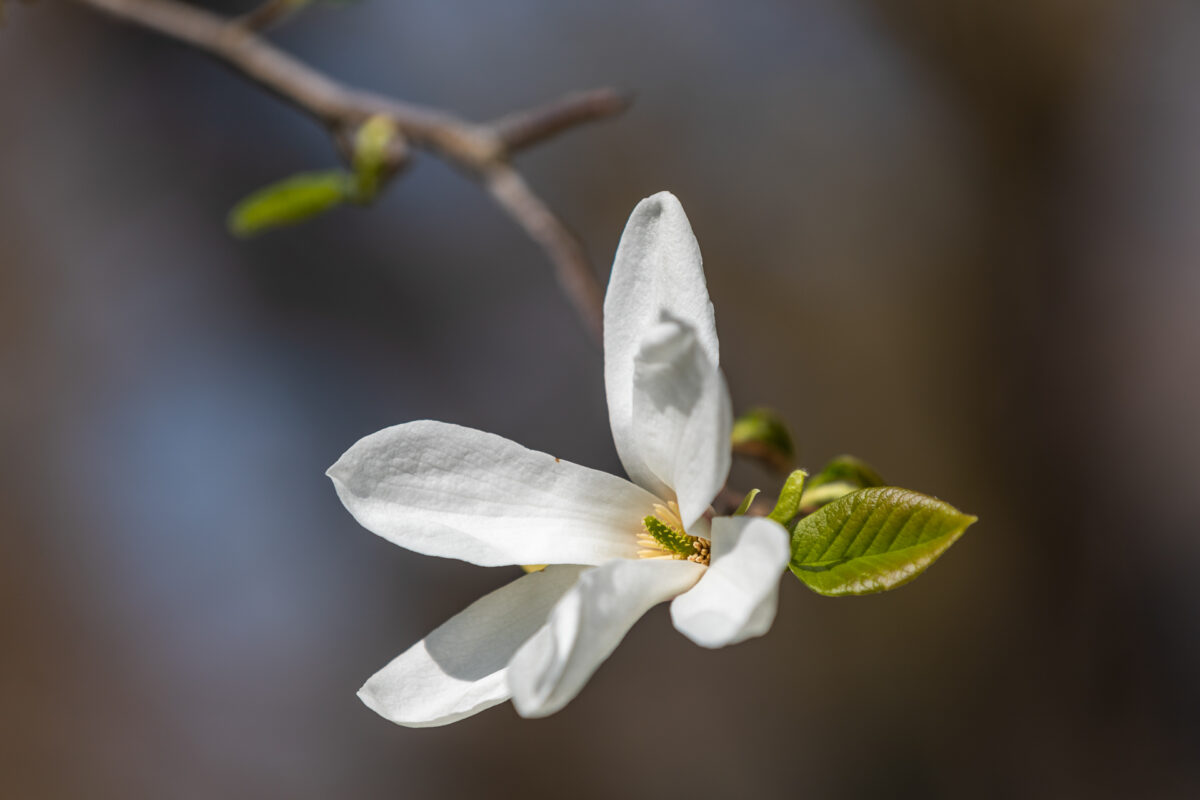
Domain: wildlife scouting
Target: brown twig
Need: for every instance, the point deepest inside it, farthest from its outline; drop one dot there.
(269, 13)
(480, 150)
(514, 195)
(523, 128)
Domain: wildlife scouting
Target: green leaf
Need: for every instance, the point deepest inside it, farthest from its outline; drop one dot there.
(761, 433)
(840, 477)
(788, 504)
(744, 506)
(873, 540)
(293, 200)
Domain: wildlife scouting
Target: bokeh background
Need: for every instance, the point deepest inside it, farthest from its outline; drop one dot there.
(959, 240)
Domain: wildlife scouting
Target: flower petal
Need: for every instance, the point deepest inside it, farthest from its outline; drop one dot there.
(657, 268)
(460, 668)
(587, 625)
(682, 416)
(737, 597)
(454, 492)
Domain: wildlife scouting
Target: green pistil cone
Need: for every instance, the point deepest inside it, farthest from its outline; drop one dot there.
(669, 538)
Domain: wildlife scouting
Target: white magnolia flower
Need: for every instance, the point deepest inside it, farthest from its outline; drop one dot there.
(615, 548)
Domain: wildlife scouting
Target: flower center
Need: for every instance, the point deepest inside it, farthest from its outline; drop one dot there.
(662, 536)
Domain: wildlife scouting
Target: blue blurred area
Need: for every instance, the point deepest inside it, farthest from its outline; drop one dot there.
(959, 242)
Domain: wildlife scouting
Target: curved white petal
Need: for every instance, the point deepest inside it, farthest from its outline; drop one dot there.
(587, 625)
(657, 268)
(454, 492)
(737, 597)
(682, 417)
(460, 668)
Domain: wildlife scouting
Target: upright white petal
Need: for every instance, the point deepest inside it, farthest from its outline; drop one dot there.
(449, 491)
(587, 625)
(657, 268)
(737, 597)
(461, 668)
(682, 417)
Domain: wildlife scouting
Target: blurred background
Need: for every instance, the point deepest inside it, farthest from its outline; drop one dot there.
(958, 240)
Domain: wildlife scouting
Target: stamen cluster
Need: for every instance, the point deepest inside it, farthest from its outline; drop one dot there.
(662, 536)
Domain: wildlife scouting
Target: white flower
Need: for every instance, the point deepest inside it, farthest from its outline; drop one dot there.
(615, 548)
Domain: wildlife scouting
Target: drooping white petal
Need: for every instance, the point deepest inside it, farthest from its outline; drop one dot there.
(737, 597)
(657, 268)
(587, 625)
(682, 416)
(460, 668)
(449, 491)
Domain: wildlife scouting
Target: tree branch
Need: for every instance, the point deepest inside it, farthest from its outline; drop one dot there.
(514, 195)
(269, 13)
(482, 151)
(524, 128)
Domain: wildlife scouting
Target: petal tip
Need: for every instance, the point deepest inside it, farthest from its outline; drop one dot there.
(528, 709)
(402, 714)
(657, 204)
(699, 630)
(341, 473)
(370, 698)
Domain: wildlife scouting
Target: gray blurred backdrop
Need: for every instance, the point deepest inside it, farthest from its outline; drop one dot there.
(959, 240)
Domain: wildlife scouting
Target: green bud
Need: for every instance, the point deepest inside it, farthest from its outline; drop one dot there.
(839, 477)
(762, 434)
(379, 152)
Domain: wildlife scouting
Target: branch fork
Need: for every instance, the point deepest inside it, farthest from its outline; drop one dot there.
(481, 150)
